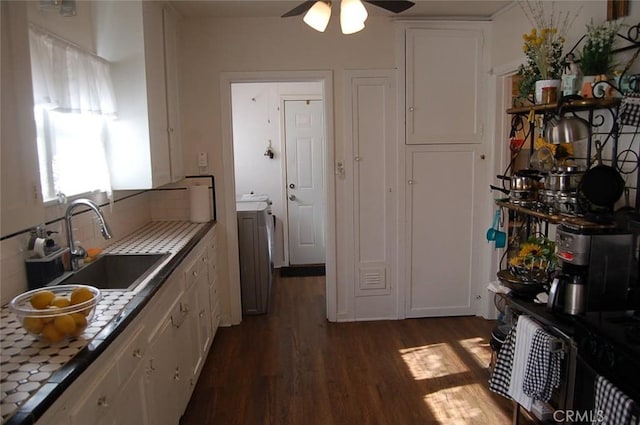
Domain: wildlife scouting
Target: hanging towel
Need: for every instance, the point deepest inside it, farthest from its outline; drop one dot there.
(543, 367)
(526, 329)
(501, 375)
(629, 112)
(616, 407)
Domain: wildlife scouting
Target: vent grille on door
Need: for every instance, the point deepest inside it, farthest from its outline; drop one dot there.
(372, 281)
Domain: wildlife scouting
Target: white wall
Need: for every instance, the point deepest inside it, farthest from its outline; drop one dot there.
(209, 47)
(256, 121)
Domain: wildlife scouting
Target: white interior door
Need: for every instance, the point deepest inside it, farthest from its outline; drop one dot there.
(304, 136)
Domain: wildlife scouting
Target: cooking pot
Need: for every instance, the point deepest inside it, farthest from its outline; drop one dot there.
(548, 199)
(522, 180)
(563, 181)
(566, 203)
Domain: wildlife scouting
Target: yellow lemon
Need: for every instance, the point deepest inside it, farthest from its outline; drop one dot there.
(60, 302)
(65, 324)
(80, 295)
(42, 299)
(33, 324)
(51, 334)
(81, 322)
(49, 319)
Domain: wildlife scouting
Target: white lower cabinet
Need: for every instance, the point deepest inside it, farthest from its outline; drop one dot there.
(161, 368)
(132, 401)
(147, 375)
(212, 274)
(97, 406)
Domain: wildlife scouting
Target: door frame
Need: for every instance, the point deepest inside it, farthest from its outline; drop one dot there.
(283, 140)
(228, 219)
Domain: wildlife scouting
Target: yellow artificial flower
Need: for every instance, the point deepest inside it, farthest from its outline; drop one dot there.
(529, 249)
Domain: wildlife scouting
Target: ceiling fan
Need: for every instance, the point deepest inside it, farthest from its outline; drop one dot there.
(352, 12)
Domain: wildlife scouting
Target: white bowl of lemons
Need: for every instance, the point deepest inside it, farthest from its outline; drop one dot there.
(57, 312)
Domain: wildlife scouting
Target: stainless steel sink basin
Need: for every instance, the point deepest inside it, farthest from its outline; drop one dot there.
(117, 271)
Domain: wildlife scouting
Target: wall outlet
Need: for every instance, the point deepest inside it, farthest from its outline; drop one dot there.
(202, 159)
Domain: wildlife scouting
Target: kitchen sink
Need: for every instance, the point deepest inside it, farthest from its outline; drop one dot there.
(123, 272)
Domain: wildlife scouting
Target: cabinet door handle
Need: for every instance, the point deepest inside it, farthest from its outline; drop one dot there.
(176, 374)
(410, 182)
(137, 353)
(412, 109)
(102, 401)
(195, 273)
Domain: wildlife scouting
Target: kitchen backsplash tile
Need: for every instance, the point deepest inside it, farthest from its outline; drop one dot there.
(170, 204)
(124, 217)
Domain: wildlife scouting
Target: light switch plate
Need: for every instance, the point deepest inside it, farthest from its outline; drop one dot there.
(202, 159)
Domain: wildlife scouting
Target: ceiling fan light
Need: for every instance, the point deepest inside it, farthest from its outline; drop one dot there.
(353, 10)
(318, 16)
(351, 27)
(353, 14)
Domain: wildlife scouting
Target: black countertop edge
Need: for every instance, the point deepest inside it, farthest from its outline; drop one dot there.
(562, 322)
(36, 405)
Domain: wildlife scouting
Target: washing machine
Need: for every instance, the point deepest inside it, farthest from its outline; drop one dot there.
(255, 232)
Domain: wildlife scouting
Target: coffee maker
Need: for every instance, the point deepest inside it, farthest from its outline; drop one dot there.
(596, 271)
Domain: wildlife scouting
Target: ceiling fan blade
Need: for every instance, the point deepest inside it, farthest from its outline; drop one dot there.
(391, 5)
(299, 9)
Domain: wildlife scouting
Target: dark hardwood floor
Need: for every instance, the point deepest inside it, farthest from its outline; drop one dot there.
(294, 367)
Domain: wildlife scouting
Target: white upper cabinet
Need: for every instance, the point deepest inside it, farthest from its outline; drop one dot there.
(445, 89)
(139, 39)
(20, 200)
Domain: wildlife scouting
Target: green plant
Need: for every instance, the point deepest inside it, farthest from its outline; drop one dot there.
(597, 52)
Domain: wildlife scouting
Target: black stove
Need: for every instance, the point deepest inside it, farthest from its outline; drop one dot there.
(609, 345)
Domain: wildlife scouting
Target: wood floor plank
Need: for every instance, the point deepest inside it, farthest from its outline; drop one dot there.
(292, 366)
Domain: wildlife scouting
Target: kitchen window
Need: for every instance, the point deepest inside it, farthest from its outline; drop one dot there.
(73, 106)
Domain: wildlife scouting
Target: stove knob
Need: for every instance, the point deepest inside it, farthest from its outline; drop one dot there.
(592, 345)
(609, 357)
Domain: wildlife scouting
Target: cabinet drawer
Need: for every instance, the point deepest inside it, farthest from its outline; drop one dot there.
(196, 270)
(98, 400)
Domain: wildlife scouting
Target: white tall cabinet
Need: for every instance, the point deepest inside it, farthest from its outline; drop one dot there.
(445, 170)
(370, 174)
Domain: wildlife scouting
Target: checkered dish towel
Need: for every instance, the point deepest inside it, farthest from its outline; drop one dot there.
(501, 375)
(629, 112)
(616, 407)
(543, 367)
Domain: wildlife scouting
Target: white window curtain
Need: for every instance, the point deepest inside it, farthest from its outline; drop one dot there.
(68, 79)
(73, 103)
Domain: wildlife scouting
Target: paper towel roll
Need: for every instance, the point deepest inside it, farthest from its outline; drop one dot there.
(38, 247)
(200, 205)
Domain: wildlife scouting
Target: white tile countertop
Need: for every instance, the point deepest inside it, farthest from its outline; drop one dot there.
(27, 364)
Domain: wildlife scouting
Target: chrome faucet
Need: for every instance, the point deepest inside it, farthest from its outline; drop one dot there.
(77, 252)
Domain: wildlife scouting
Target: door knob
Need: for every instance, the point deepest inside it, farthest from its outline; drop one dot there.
(292, 186)
(292, 197)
